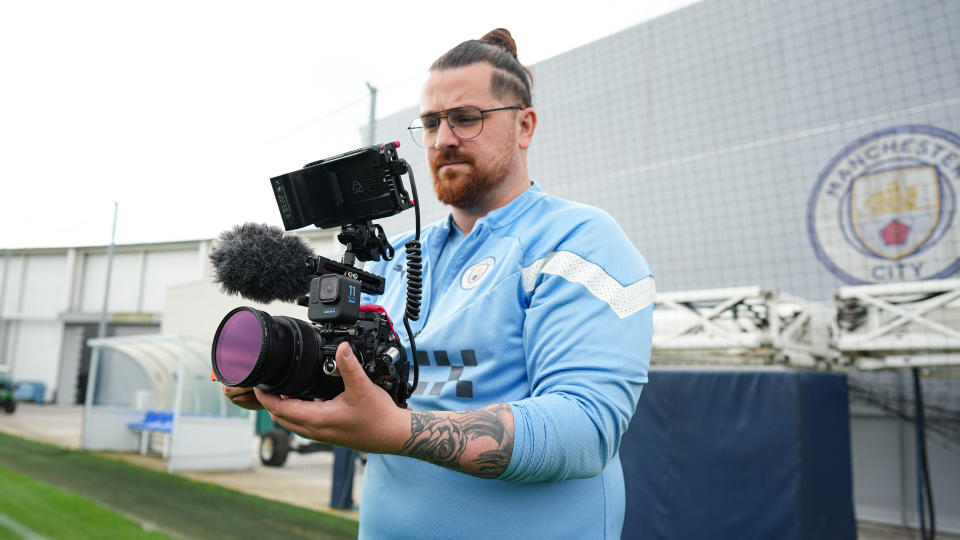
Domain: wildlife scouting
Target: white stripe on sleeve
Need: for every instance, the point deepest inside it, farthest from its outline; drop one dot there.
(623, 300)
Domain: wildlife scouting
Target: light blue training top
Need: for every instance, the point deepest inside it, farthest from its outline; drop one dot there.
(547, 306)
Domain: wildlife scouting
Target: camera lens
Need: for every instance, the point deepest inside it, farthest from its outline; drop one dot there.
(280, 355)
(329, 287)
(238, 345)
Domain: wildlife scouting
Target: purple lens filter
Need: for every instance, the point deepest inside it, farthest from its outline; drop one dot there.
(238, 346)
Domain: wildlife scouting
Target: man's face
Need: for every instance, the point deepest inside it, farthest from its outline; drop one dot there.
(467, 171)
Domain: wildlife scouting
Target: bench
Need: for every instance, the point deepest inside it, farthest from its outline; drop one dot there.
(154, 422)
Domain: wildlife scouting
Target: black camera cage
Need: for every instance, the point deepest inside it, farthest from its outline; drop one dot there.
(350, 190)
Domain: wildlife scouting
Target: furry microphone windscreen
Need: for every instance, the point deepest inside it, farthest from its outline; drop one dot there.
(260, 263)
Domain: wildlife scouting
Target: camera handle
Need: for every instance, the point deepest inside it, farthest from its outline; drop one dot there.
(369, 283)
(364, 241)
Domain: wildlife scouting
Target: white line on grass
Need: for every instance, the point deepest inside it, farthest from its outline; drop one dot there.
(15, 526)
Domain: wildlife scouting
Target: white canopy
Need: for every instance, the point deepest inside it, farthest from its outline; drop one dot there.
(169, 373)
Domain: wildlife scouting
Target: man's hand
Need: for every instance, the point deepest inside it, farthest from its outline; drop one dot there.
(362, 417)
(241, 397)
(365, 418)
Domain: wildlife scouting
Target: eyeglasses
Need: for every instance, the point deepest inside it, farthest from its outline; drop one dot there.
(464, 122)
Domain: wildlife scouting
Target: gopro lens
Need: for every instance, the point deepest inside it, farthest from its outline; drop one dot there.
(329, 287)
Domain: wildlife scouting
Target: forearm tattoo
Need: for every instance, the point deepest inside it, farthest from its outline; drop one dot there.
(442, 438)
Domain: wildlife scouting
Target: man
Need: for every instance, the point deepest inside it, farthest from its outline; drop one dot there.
(533, 340)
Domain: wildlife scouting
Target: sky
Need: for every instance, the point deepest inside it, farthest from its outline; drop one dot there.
(181, 111)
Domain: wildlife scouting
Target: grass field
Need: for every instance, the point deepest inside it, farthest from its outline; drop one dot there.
(62, 493)
(29, 507)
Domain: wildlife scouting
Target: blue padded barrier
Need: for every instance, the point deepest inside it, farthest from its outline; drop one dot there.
(739, 455)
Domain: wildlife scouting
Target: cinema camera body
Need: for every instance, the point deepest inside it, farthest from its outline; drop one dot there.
(289, 356)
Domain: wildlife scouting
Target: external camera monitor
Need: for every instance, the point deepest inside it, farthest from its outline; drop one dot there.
(353, 187)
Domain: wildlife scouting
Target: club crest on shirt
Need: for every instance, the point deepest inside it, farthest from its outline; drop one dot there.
(883, 209)
(475, 274)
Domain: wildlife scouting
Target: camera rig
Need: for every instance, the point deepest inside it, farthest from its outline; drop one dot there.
(297, 358)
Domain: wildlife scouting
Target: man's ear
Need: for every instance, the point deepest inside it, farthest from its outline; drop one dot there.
(528, 124)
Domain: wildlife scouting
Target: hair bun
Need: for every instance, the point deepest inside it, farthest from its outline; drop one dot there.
(501, 38)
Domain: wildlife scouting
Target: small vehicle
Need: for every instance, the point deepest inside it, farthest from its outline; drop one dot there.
(276, 442)
(7, 399)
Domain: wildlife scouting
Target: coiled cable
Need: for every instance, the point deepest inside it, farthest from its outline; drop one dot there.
(414, 282)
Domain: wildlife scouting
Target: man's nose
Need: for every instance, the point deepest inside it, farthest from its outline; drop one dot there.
(446, 137)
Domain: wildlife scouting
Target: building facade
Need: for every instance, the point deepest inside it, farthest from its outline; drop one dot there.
(51, 301)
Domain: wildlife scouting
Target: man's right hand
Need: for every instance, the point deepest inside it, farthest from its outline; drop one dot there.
(242, 397)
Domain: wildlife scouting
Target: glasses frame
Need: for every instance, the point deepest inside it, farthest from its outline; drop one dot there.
(445, 114)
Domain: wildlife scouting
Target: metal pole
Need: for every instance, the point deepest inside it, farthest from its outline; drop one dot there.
(86, 431)
(102, 329)
(7, 255)
(372, 134)
(170, 439)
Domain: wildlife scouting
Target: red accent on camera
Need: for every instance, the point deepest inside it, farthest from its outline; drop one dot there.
(380, 310)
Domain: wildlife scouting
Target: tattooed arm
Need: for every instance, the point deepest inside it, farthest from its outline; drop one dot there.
(478, 442)
(363, 417)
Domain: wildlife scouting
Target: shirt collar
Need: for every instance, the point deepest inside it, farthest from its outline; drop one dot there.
(500, 217)
(507, 214)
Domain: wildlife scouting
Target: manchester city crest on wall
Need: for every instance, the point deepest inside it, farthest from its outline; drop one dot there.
(883, 208)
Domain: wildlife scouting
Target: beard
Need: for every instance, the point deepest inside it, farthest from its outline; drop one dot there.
(469, 186)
